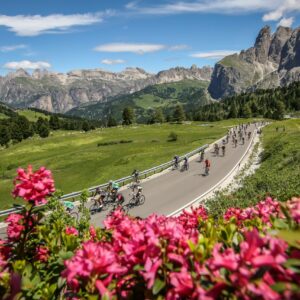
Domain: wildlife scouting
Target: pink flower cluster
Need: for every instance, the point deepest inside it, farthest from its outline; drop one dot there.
(263, 210)
(241, 267)
(71, 231)
(158, 249)
(15, 226)
(294, 207)
(33, 186)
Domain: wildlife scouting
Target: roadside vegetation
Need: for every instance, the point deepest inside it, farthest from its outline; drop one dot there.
(278, 175)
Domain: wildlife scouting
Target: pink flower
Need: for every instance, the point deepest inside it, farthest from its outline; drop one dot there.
(33, 186)
(42, 253)
(71, 231)
(294, 207)
(151, 267)
(182, 282)
(93, 232)
(15, 226)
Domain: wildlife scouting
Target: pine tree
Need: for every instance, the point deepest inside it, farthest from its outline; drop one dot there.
(111, 121)
(246, 111)
(85, 126)
(158, 116)
(44, 131)
(179, 115)
(128, 116)
(4, 136)
(278, 113)
(233, 113)
(54, 122)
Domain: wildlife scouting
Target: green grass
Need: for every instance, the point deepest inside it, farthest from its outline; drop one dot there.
(77, 162)
(31, 115)
(278, 175)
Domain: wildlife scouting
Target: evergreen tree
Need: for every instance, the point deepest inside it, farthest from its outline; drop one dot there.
(158, 116)
(278, 113)
(4, 136)
(233, 113)
(54, 122)
(179, 115)
(85, 126)
(128, 116)
(111, 121)
(43, 131)
(246, 111)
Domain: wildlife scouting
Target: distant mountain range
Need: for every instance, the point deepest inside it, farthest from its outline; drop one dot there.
(57, 92)
(189, 93)
(273, 61)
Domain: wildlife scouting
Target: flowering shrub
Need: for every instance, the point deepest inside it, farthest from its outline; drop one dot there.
(248, 253)
(34, 186)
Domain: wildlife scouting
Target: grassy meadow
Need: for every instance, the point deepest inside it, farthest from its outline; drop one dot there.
(77, 161)
(278, 174)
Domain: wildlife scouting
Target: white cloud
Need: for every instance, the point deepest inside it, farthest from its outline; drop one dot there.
(216, 54)
(127, 47)
(178, 47)
(286, 22)
(12, 48)
(33, 25)
(113, 61)
(273, 10)
(26, 64)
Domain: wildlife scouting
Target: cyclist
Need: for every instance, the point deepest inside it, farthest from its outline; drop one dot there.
(202, 155)
(235, 142)
(243, 140)
(249, 135)
(207, 167)
(185, 163)
(135, 174)
(223, 150)
(176, 161)
(69, 206)
(99, 197)
(216, 149)
(138, 195)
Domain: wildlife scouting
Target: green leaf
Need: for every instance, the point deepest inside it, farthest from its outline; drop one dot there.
(158, 286)
(291, 237)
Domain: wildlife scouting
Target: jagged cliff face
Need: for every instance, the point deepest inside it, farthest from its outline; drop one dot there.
(273, 61)
(57, 92)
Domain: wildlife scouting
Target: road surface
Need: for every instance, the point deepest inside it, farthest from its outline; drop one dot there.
(172, 190)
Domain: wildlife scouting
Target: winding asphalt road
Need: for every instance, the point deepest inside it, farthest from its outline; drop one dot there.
(172, 190)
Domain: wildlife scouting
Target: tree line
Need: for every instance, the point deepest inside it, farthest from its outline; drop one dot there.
(15, 128)
(271, 103)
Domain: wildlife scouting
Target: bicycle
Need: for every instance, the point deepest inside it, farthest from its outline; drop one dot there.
(185, 166)
(137, 199)
(70, 210)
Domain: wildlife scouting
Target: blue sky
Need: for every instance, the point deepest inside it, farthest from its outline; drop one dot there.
(82, 34)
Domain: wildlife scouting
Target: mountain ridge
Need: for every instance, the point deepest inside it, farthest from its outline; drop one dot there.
(273, 61)
(60, 92)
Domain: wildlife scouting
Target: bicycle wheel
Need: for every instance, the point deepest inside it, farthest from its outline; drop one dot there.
(132, 202)
(94, 208)
(74, 215)
(142, 199)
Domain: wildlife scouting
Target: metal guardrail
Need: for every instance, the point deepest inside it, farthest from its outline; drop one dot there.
(122, 181)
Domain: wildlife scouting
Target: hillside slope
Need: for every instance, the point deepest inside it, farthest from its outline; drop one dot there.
(189, 93)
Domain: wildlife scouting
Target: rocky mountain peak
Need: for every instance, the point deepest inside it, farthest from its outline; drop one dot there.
(290, 57)
(273, 61)
(262, 44)
(18, 73)
(279, 38)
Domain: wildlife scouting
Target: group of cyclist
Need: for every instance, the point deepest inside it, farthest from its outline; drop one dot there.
(111, 192)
